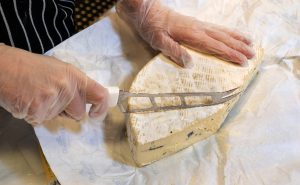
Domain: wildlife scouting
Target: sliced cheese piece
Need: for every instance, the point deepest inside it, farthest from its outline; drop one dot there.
(153, 136)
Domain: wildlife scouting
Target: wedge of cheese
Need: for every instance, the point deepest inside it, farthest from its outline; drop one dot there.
(153, 136)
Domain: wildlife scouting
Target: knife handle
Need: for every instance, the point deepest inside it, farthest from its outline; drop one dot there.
(113, 98)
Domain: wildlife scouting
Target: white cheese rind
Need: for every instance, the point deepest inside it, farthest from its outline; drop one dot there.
(155, 135)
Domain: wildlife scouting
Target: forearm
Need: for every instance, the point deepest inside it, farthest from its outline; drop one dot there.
(3, 48)
(5, 73)
(5, 60)
(10, 56)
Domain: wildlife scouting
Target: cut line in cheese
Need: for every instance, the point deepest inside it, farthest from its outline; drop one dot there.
(153, 136)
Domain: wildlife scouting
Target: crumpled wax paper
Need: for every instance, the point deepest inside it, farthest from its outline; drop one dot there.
(259, 142)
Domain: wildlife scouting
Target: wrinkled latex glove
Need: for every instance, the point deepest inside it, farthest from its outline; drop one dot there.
(38, 88)
(165, 30)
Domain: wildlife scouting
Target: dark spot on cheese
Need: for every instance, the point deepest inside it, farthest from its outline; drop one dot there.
(190, 134)
(154, 148)
(171, 132)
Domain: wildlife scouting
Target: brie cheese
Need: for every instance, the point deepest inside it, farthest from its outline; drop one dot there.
(155, 135)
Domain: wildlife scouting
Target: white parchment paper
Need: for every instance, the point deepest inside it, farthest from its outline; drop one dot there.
(259, 143)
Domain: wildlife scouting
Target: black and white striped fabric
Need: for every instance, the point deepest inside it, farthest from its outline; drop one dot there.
(36, 25)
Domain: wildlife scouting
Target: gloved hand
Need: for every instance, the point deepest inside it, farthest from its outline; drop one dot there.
(165, 29)
(38, 88)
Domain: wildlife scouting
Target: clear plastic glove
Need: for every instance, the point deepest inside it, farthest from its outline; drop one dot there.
(38, 88)
(166, 29)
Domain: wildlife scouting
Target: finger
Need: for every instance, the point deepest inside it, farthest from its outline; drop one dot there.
(31, 121)
(73, 97)
(56, 102)
(98, 110)
(39, 105)
(97, 95)
(209, 45)
(65, 115)
(235, 34)
(172, 49)
(76, 108)
(36, 112)
(232, 42)
(18, 111)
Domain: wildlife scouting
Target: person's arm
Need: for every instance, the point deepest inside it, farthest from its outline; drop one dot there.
(38, 88)
(165, 30)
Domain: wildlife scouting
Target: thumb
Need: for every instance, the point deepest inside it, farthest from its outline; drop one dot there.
(172, 49)
(96, 95)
